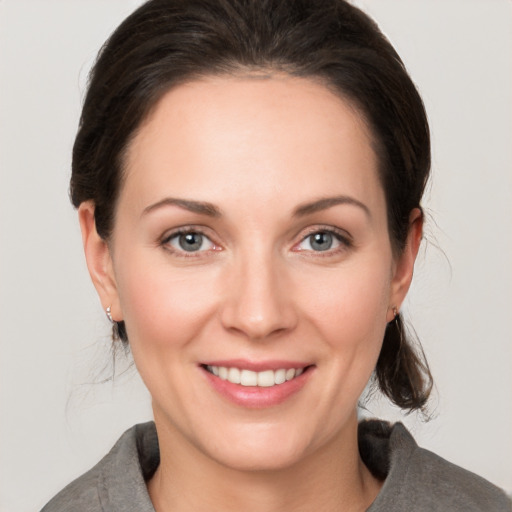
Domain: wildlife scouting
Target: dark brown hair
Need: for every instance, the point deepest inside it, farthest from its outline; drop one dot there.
(167, 42)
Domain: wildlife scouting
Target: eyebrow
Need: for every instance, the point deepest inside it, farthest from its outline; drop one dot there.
(201, 207)
(209, 209)
(329, 202)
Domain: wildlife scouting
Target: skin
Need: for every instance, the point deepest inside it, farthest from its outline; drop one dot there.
(257, 150)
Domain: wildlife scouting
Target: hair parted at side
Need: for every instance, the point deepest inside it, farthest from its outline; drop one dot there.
(168, 42)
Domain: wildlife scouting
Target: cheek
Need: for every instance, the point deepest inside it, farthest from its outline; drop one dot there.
(350, 306)
(348, 311)
(163, 305)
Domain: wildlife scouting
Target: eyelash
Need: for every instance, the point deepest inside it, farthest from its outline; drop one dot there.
(340, 236)
(189, 230)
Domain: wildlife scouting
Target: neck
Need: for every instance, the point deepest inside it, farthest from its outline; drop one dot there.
(332, 478)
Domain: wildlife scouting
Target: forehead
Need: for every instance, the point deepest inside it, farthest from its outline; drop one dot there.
(255, 136)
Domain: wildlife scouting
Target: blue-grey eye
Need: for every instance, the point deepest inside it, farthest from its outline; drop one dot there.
(321, 241)
(190, 242)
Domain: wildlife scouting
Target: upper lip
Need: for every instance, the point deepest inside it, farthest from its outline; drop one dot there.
(256, 366)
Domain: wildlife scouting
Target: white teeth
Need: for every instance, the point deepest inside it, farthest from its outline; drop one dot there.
(266, 378)
(248, 378)
(280, 376)
(234, 375)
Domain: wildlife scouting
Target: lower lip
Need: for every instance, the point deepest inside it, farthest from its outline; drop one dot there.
(256, 397)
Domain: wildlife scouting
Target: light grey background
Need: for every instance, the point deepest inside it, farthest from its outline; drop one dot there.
(56, 420)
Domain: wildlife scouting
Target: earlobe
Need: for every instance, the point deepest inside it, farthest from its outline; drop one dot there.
(99, 261)
(404, 268)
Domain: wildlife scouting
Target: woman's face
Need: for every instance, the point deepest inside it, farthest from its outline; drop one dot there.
(251, 242)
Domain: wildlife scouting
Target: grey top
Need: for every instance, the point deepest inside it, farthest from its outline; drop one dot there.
(415, 479)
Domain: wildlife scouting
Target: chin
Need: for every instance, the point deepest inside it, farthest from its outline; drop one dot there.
(259, 448)
(262, 459)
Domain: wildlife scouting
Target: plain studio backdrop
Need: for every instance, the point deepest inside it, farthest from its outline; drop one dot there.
(57, 419)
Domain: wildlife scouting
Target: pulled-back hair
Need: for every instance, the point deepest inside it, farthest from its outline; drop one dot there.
(168, 42)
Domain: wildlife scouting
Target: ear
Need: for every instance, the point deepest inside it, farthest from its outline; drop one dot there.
(99, 261)
(404, 265)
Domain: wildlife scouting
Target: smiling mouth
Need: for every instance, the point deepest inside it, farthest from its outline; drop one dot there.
(265, 379)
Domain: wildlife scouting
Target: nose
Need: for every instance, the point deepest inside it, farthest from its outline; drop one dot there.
(258, 300)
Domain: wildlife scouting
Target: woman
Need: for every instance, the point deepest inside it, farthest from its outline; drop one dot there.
(248, 176)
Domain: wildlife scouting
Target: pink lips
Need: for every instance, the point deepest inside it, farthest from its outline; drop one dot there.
(257, 397)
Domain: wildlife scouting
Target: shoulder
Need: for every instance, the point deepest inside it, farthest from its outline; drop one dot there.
(434, 481)
(117, 482)
(420, 480)
(81, 494)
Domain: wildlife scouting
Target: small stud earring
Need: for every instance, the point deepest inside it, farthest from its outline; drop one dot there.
(108, 312)
(395, 312)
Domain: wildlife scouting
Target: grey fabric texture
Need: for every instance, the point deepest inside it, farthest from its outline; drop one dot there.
(416, 479)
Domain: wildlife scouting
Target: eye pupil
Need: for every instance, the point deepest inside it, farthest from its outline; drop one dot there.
(191, 241)
(321, 241)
